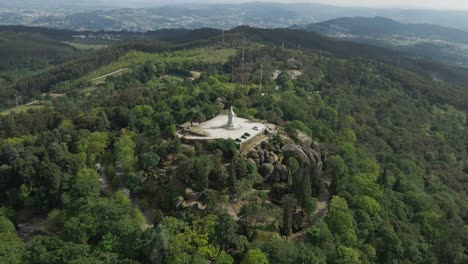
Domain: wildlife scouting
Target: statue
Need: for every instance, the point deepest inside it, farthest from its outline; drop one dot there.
(230, 123)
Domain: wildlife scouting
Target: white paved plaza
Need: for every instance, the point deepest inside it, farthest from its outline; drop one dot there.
(216, 128)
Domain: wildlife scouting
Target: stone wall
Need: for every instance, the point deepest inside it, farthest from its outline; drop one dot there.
(252, 142)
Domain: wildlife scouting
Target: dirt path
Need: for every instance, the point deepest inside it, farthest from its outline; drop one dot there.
(109, 74)
(232, 210)
(106, 187)
(32, 103)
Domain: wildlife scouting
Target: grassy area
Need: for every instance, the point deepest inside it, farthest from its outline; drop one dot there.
(22, 108)
(83, 46)
(134, 58)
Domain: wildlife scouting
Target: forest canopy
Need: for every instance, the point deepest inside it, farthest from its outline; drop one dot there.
(101, 176)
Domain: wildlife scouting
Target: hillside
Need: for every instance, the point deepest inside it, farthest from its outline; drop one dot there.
(364, 159)
(431, 41)
(181, 39)
(22, 50)
(384, 27)
(27, 52)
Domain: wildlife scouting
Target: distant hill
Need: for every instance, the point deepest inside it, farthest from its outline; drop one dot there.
(193, 38)
(99, 15)
(33, 48)
(433, 41)
(25, 53)
(383, 27)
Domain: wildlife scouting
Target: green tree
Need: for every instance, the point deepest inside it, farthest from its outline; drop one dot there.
(254, 256)
(366, 203)
(125, 152)
(202, 167)
(12, 250)
(293, 165)
(211, 199)
(93, 145)
(337, 165)
(341, 221)
(86, 184)
(150, 161)
(6, 225)
(227, 146)
(346, 255)
(226, 230)
(289, 204)
(279, 251)
(319, 235)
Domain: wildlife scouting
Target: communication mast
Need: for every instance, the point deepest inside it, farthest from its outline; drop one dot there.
(242, 68)
(261, 76)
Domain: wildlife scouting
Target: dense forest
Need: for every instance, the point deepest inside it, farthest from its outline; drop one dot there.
(100, 175)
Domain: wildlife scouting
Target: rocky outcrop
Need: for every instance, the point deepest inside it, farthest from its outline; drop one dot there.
(308, 158)
(270, 159)
(266, 170)
(283, 172)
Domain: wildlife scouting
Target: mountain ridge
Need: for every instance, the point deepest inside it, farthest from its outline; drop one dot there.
(258, 14)
(447, 45)
(382, 25)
